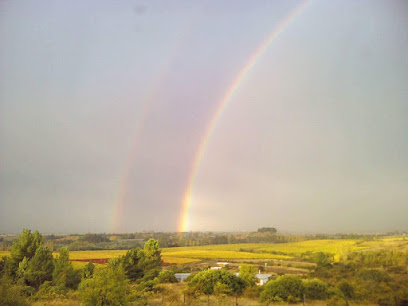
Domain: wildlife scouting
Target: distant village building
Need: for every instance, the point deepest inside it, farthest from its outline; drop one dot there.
(222, 264)
(181, 277)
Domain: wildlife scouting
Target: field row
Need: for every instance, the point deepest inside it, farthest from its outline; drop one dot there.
(182, 255)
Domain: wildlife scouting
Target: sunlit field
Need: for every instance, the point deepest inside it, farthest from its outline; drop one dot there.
(107, 254)
(290, 249)
(200, 253)
(182, 255)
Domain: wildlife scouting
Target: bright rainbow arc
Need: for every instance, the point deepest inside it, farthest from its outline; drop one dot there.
(184, 222)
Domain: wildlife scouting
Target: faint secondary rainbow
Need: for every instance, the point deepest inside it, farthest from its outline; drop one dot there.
(186, 205)
(148, 104)
(149, 101)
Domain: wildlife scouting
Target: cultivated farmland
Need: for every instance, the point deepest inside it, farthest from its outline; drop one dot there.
(281, 251)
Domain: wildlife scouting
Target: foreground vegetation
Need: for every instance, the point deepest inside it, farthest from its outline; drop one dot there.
(334, 271)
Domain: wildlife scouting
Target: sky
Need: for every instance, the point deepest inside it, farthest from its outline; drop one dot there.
(104, 105)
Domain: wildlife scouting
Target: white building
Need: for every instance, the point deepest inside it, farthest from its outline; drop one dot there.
(262, 278)
(181, 277)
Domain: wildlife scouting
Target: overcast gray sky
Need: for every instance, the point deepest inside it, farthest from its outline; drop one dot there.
(104, 104)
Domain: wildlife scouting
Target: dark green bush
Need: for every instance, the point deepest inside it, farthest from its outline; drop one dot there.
(316, 289)
(108, 286)
(286, 287)
(10, 294)
(167, 276)
(374, 275)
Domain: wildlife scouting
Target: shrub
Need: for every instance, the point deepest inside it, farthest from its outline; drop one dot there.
(150, 275)
(247, 273)
(287, 287)
(88, 271)
(108, 286)
(252, 292)
(205, 281)
(322, 259)
(374, 275)
(11, 295)
(316, 289)
(147, 286)
(346, 289)
(48, 291)
(167, 276)
(2, 264)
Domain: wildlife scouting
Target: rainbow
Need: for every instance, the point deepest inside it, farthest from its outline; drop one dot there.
(124, 183)
(148, 103)
(186, 205)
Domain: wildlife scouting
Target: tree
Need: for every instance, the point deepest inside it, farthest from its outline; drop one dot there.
(205, 282)
(322, 259)
(267, 230)
(95, 238)
(316, 289)
(25, 246)
(151, 256)
(287, 288)
(61, 263)
(64, 274)
(40, 268)
(138, 263)
(247, 273)
(88, 271)
(131, 265)
(347, 290)
(108, 286)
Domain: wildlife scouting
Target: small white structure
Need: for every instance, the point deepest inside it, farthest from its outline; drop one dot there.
(262, 278)
(216, 268)
(181, 277)
(222, 264)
